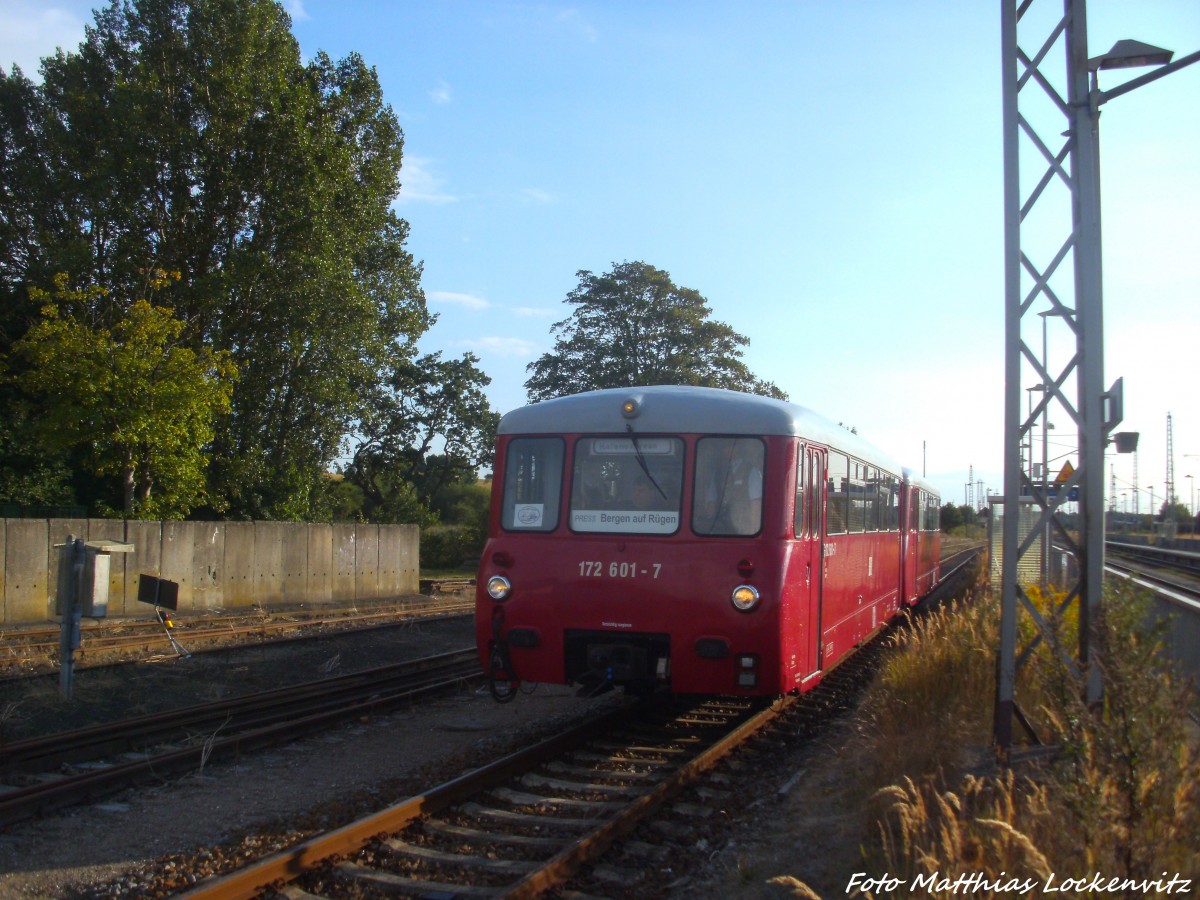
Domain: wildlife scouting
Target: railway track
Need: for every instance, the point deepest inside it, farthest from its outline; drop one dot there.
(70, 767)
(21, 647)
(530, 822)
(1174, 569)
(1181, 591)
(524, 823)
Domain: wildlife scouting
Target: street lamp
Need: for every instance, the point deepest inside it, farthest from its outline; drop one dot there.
(1192, 506)
(1037, 388)
(1129, 54)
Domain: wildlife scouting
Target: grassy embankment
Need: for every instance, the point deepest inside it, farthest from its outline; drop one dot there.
(1119, 797)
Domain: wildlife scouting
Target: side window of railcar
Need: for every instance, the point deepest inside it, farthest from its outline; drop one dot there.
(800, 520)
(872, 497)
(727, 497)
(858, 497)
(923, 522)
(893, 510)
(814, 494)
(533, 472)
(625, 487)
(837, 511)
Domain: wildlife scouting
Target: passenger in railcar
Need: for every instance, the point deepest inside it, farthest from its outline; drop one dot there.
(642, 494)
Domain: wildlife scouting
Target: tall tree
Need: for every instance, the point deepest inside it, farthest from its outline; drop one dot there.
(139, 405)
(431, 427)
(634, 326)
(188, 136)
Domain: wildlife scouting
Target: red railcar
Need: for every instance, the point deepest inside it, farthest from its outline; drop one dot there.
(701, 540)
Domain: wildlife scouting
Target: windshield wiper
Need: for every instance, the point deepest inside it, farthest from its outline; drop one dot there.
(642, 460)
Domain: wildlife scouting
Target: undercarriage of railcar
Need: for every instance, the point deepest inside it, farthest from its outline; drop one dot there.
(598, 661)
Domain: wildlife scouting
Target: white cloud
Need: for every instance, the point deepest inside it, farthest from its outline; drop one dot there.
(295, 9)
(574, 21)
(468, 301)
(441, 94)
(501, 346)
(535, 312)
(535, 195)
(29, 32)
(419, 184)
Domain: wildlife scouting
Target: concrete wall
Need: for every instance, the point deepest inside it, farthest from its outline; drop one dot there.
(218, 565)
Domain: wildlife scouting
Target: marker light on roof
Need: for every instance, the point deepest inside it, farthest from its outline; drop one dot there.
(630, 408)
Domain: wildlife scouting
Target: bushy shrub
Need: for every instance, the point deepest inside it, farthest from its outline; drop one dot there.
(450, 547)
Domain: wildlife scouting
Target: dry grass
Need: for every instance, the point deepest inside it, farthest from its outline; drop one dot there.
(924, 712)
(982, 829)
(1120, 797)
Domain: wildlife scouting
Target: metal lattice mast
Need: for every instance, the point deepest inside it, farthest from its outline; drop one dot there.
(1036, 281)
(1170, 487)
(1137, 490)
(1051, 137)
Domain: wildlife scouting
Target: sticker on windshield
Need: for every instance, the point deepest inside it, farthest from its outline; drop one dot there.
(527, 515)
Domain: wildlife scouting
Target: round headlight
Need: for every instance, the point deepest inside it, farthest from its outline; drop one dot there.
(744, 597)
(499, 587)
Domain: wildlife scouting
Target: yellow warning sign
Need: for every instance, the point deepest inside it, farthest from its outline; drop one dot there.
(1064, 473)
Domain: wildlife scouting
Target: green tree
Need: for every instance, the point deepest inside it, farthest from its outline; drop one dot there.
(139, 404)
(963, 515)
(189, 136)
(1177, 512)
(951, 517)
(31, 473)
(430, 427)
(633, 326)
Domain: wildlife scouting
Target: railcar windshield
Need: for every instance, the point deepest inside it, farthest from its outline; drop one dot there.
(729, 486)
(627, 485)
(533, 471)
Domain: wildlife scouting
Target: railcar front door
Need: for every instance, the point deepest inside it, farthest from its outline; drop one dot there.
(912, 558)
(810, 530)
(816, 475)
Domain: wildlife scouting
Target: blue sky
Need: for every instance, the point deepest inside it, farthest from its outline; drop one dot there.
(827, 174)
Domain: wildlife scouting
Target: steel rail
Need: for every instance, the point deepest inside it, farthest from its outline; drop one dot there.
(21, 649)
(591, 846)
(289, 864)
(297, 617)
(349, 840)
(264, 721)
(136, 733)
(1173, 559)
(1179, 594)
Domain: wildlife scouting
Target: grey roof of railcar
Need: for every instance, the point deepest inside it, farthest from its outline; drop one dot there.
(913, 478)
(674, 409)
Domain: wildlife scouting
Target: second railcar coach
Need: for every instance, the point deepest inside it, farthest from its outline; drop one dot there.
(693, 539)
